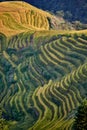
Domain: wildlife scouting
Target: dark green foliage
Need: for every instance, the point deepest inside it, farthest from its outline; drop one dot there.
(4, 125)
(68, 35)
(11, 51)
(81, 117)
(46, 75)
(5, 64)
(3, 42)
(75, 36)
(25, 68)
(84, 36)
(8, 70)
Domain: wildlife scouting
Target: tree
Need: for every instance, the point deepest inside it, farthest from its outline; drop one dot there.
(81, 117)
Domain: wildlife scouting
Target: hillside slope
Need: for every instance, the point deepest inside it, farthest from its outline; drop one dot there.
(20, 16)
(43, 69)
(42, 82)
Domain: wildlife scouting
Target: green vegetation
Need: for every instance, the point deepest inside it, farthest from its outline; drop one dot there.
(81, 117)
(3, 42)
(4, 125)
(59, 100)
(58, 63)
(43, 73)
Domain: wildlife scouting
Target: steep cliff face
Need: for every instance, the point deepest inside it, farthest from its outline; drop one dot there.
(77, 8)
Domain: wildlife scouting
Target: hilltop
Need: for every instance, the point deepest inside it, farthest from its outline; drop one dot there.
(19, 16)
(16, 17)
(75, 10)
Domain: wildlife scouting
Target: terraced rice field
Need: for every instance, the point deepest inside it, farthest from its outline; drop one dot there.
(42, 86)
(59, 101)
(17, 17)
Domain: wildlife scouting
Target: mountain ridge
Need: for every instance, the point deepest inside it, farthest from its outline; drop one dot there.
(74, 10)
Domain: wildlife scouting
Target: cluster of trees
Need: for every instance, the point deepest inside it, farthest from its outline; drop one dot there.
(81, 117)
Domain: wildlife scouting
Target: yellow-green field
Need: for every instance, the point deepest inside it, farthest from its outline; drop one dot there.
(16, 17)
(43, 72)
